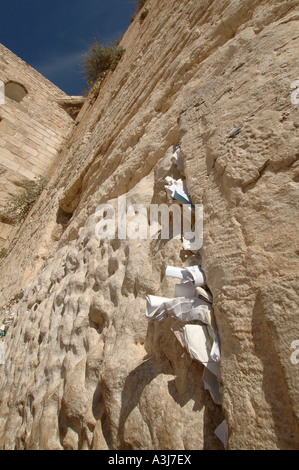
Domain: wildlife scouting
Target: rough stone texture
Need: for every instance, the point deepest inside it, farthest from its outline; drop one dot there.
(71, 104)
(31, 131)
(83, 368)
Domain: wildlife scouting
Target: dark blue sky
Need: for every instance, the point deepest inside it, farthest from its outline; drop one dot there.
(52, 35)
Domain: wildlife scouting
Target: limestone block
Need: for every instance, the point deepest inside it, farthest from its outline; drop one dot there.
(5, 230)
(84, 369)
(25, 124)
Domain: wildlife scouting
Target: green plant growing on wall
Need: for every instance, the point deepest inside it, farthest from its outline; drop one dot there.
(99, 60)
(143, 15)
(139, 5)
(3, 252)
(20, 204)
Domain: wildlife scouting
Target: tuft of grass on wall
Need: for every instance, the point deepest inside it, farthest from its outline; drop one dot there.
(143, 15)
(139, 5)
(20, 204)
(98, 60)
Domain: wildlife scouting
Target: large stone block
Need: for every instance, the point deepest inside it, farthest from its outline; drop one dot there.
(84, 369)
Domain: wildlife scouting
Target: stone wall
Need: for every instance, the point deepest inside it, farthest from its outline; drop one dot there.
(83, 368)
(31, 130)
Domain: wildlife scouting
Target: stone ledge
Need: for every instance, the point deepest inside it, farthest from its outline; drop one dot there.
(71, 105)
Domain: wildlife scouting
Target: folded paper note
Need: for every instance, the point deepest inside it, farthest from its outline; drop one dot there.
(222, 433)
(202, 293)
(182, 308)
(178, 190)
(177, 159)
(192, 273)
(195, 338)
(187, 289)
(188, 242)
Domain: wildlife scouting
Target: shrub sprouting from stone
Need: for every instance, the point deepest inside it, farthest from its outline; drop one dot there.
(99, 60)
(143, 15)
(139, 5)
(20, 204)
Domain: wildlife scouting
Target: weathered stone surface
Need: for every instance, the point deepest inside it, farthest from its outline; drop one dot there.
(83, 368)
(31, 129)
(72, 105)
